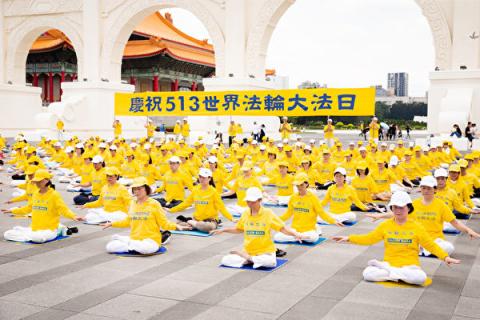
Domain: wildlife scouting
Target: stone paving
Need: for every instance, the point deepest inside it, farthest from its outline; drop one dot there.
(76, 279)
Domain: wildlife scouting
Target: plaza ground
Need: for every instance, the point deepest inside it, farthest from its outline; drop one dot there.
(76, 279)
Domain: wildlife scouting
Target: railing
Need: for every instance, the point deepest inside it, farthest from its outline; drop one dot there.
(55, 67)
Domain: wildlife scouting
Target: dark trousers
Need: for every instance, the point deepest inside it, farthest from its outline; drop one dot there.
(230, 140)
(18, 177)
(323, 186)
(83, 198)
(170, 204)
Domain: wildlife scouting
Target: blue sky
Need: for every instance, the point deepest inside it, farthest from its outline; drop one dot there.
(345, 43)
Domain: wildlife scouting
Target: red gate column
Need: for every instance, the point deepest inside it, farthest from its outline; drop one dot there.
(50, 87)
(156, 85)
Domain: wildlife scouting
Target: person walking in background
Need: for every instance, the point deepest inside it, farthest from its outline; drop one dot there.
(408, 129)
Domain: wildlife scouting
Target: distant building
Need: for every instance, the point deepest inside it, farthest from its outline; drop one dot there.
(399, 83)
(392, 100)
(311, 85)
(380, 91)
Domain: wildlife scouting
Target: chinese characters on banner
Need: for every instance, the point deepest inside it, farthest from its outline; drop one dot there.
(305, 102)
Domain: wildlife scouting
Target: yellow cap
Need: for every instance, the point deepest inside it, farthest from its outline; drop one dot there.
(112, 171)
(87, 155)
(325, 151)
(305, 160)
(454, 168)
(139, 182)
(42, 174)
(470, 156)
(30, 150)
(360, 143)
(408, 153)
(287, 148)
(400, 141)
(463, 163)
(300, 178)
(362, 166)
(417, 148)
(129, 153)
(282, 164)
(31, 170)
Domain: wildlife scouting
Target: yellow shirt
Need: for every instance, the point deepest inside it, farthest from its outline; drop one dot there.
(328, 131)
(241, 185)
(117, 129)
(284, 184)
(130, 170)
(112, 198)
(341, 199)
(412, 171)
(98, 180)
(177, 129)
(150, 129)
(450, 198)
(30, 189)
(115, 161)
(373, 130)
(462, 191)
(85, 172)
(270, 169)
(401, 242)
(305, 210)
(145, 221)
(220, 179)
(364, 188)
(185, 130)
(285, 130)
(383, 179)
(432, 216)
(232, 130)
(150, 173)
(174, 185)
(207, 204)
(46, 209)
(257, 231)
(325, 171)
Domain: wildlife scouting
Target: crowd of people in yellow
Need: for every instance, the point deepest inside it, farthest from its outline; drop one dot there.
(136, 184)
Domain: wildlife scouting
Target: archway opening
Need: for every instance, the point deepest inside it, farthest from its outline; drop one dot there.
(51, 60)
(347, 48)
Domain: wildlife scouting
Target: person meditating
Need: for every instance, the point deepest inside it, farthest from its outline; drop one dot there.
(256, 223)
(402, 237)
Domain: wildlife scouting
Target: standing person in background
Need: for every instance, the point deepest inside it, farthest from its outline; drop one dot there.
(185, 130)
(60, 129)
(285, 128)
(408, 131)
(262, 133)
(177, 129)
(117, 129)
(468, 133)
(362, 130)
(374, 127)
(256, 131)
(328, 132)
(150, 126)
(232, 132)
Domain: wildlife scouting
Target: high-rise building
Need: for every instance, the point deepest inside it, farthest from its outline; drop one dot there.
(399, 83)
